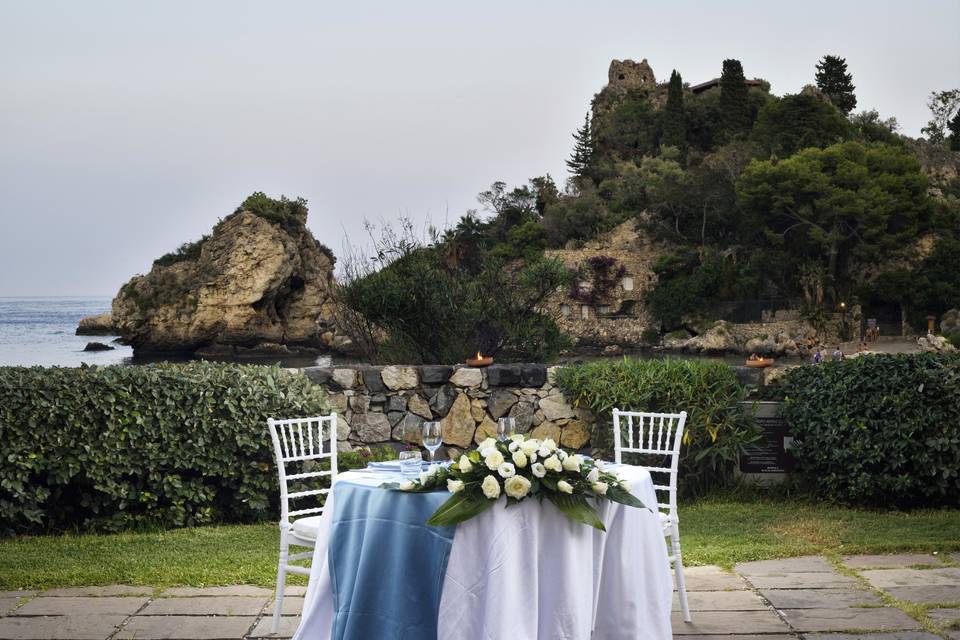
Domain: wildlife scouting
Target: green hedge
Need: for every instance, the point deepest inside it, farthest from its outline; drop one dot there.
(105, 448)
(717, 428)
(879, 430)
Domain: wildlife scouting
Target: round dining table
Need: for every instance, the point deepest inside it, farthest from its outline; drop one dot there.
(525, 572)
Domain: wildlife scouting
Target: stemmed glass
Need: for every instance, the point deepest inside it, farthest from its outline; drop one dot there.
(506, 428)
(432, 438)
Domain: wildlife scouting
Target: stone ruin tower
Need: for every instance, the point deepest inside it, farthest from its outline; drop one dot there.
(622, 77)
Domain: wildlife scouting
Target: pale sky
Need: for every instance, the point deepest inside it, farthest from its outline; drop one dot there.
(127, 128)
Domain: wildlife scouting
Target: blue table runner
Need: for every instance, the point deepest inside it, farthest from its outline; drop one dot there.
(386, 565)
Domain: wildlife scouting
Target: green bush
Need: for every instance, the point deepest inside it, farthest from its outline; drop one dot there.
(106, 448)
(882, 430)
(717, 428)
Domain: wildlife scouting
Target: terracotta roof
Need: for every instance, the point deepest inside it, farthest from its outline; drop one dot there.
(709, 84)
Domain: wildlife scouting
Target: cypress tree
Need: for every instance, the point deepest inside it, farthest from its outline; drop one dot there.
(954, 126)
(674, 119)
(579, 160)
(834, 81)
(734, 106)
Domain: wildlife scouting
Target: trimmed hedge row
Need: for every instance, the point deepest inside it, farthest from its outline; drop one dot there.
(879, 430)
(106, 448)
(717, 429)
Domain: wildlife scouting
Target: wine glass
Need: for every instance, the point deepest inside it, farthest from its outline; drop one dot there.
(506, 428)
(432, 437)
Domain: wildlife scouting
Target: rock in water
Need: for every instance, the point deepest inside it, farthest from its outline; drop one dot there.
(101, 325)
(97, 346)
(258, 278)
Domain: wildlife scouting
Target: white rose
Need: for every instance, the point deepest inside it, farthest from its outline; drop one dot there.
(564, 487)
(593, 476)
(553, 464)
(491, 488)
(486, 451)
(572, 463)
(625, 485)
(513, 446)
(561, 454)
(454, 486)
(518, 437)
(506, 470)
(489, 442)
(465, 465)
(529, 447)
(423, 477)
(538, 470)
(600, 465)
(532, 456)
(493, 460)
(550, 444)
(600, 488)
(519, 459)
(433, 470)
(543, 452)
(517, 487)
(406, 485)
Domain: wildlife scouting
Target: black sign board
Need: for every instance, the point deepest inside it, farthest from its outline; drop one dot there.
(770, 454)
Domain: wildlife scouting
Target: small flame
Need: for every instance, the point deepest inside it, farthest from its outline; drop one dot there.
(479, 356)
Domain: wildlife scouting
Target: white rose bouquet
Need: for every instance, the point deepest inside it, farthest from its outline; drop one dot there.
(521, 468)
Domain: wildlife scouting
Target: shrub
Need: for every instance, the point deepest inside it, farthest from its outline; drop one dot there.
(882, 430)
(717, 428)
(105, 448)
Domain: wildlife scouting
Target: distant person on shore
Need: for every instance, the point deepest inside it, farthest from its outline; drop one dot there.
(837, 354)
(817, 356)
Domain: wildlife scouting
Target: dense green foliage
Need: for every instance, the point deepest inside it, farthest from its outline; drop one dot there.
(717, 428)
(107, 448)
(794, 122)
(674, 120)
(186, 251)
(881, 430)
(734, 104)
(834, 81)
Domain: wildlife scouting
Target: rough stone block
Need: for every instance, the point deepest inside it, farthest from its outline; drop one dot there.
(556, 408)
(503, 375)
(397, 378)
(575, 435)
(533, 375)
(435, 374)
(522, 412)
(442, 402)
(396, 403)
(458, 426)
(409, 429)
(371, 427)
(418, 405)
(500, 402)
(318, 375)
(372, 380)
(467, 377)
(346, 378)
(546, 430)
(886, 618)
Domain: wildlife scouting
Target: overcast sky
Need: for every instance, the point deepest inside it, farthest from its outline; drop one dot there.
(127, 128)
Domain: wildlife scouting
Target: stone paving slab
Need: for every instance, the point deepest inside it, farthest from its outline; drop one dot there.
(69, 605)
(729, 622)
(945, 616)
(205, 606)
(292, 606)
(886, 618)
(6, 604)
(902, 635)
(721, 601)
(711, 578)
(812, 580)
(819, 598)
(108, 590)
(17, 594)
(896, 561)
(186, 628)
(776, 636)
(79, 627)
(883, 578)
(288, 626)
(931, 594)
(803, 564)
(230, 590)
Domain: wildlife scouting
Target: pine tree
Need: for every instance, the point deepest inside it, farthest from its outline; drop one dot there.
(834, 81)
(734, 106)
(674, 118)
(954, 126)
(579, 161)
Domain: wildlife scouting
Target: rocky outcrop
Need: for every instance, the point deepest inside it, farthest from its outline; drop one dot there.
(97, 346)
(936, 344)
(783, 338)
(101, 325)
(256, 282)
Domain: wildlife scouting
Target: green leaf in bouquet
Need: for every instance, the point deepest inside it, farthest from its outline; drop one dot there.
(622, 496)
(460, 507)
(576, 508)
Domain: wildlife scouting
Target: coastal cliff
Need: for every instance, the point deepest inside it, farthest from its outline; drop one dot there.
(260, 283)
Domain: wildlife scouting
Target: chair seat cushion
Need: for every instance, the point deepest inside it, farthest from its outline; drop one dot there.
(306, 527)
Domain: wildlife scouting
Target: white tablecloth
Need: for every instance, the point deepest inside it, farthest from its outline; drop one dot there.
(529, 573)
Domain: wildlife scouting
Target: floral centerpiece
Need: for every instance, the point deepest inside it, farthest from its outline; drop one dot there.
(521, 468)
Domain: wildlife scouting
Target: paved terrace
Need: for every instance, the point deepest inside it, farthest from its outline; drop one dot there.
(897, 597)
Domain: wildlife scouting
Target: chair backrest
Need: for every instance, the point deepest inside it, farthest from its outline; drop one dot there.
(652, 434)
(296, 441)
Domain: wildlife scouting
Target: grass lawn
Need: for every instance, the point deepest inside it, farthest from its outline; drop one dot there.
(719, 530)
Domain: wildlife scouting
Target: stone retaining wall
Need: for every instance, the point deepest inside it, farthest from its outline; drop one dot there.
(388, 405)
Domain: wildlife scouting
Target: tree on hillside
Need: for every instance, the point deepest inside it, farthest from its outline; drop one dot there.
(954, 126)
(734, 103)
(794, 122)
(579, 160)
(674, 118)
(943, 105)
(831, 208)
(629, 132)
(834, 81)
